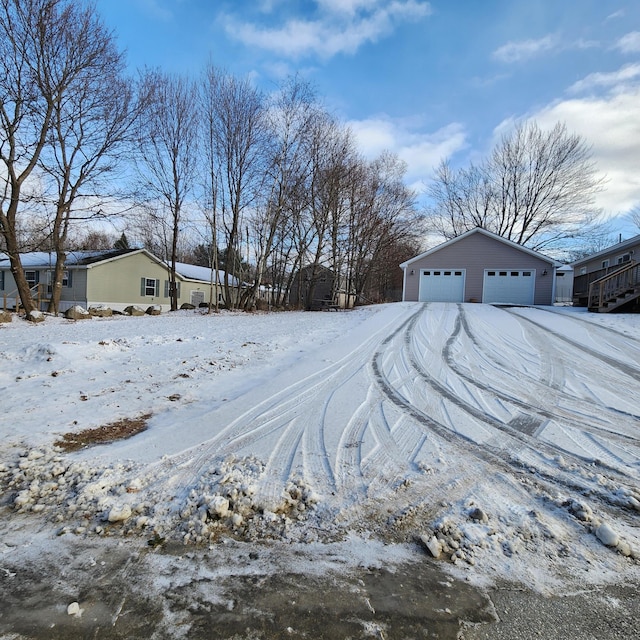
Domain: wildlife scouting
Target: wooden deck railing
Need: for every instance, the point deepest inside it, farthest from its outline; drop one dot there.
(38, 294)
(614, 285)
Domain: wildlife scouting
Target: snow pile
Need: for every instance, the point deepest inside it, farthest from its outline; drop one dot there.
(225, 501)
(120, 500)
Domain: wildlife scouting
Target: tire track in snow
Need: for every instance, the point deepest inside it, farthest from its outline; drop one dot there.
(595, 327)
(553, 403)
(502, 452)
(279, 466)
(272, 417)
(628, 370)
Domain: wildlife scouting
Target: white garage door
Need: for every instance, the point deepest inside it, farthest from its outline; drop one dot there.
(441, 285)
(510, 287)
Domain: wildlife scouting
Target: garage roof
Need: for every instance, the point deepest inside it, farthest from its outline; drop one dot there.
(489, 234)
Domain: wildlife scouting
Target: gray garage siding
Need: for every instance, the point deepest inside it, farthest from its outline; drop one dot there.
(476, 252)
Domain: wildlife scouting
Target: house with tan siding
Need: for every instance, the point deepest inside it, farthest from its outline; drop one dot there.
(114, 278)
(480, 266)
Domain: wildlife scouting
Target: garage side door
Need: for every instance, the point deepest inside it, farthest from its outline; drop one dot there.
(441, 285)
(509, 287)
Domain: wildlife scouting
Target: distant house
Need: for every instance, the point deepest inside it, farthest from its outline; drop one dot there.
(115, 278)
(480, 266)
(609, 279)
(315, 287)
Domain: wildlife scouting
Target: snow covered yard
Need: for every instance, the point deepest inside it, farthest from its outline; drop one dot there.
(501, 442)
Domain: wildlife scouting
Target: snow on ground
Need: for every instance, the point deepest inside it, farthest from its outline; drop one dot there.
(504, 442)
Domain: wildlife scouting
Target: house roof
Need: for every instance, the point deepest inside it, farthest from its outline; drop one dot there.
(203, 274)
(47, 259)
(87, 259)
(621, 246)
(489, 234)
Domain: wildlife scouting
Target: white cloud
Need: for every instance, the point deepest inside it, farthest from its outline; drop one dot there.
(629, 43)
(611, 125)
(615, 15)
(612, 79)
(525, 49)
(342, 28)
(528, 49)
(421, 151)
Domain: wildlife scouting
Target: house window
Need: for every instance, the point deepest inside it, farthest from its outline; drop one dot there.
(2, 280)
(583, 271)
(149, 287)
(503, 273)
(458, 273)
(526, 273)
(31, 278)
(605, 264)
(624, 258)
(426, 273)
(66, 280)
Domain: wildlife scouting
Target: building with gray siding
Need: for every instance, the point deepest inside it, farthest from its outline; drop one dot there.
(480, 266)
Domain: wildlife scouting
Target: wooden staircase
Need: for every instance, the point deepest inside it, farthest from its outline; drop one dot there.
(616, 289)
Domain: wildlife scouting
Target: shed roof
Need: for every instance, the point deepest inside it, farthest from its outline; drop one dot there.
(202, 274)
(489, 234)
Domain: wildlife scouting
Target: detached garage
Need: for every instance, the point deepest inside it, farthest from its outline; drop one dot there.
(479, 266)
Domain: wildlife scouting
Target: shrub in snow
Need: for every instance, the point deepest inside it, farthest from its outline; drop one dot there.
(5, 316)
(154, 310)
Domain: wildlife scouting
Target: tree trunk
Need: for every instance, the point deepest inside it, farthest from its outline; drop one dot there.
(13, 251)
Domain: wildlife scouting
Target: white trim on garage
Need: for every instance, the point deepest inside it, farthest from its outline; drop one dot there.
(509, 286)
(441, 285)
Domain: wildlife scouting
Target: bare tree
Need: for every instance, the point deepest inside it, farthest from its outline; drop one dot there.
(168, 143)
(46, 47)
(332, 153)
(537, 188)
(290, 117)
(238, 131)
(634, 216)
(381, 216)
(90, 130)
(211, 175)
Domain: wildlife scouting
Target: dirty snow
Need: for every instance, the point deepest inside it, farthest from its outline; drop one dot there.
(504, 442)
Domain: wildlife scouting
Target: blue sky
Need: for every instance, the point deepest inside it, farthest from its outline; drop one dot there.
(427, 80)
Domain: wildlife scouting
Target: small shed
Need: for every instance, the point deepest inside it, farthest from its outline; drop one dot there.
(480, 266)
(316, 287)
(564, 284)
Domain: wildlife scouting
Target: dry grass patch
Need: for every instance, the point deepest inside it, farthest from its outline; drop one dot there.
(119, 430)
